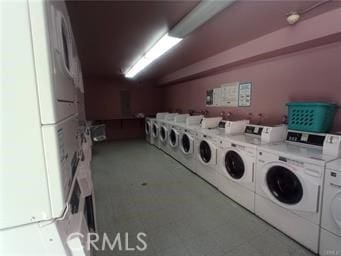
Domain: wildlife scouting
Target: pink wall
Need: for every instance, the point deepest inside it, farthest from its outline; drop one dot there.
(309, 75)
(102, 99)
(102, 102)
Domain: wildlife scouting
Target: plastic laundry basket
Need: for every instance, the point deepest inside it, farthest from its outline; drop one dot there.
(98, 132)
(311, 116)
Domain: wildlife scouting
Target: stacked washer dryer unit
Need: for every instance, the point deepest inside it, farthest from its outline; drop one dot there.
(206, 148)
(330, 234)
(187, 141)
(237, 158)
(148, 129)
(289, 184)
(42, 133)
(155, 131)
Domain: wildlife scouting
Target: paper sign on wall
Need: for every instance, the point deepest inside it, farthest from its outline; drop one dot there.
(217, 97)
(244, 95)
(229, 94)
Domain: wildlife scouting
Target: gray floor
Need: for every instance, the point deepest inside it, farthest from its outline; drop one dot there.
(140, 189)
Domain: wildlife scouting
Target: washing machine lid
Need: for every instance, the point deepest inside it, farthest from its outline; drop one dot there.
(304, 154)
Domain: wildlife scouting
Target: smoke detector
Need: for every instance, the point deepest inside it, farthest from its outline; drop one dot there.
(293, 17)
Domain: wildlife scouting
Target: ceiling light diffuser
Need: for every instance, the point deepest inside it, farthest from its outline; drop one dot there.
(161, 47)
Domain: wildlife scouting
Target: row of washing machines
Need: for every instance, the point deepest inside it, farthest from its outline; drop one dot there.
(291, 179)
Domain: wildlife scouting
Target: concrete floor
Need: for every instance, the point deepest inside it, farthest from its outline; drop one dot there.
(141, 189)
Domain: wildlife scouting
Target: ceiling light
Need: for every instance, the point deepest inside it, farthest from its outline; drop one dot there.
(201, 13)
(162, 46)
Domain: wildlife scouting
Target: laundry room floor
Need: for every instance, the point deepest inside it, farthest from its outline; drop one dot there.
(139, 188)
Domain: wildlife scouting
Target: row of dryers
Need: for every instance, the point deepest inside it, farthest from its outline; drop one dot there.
(288, 178)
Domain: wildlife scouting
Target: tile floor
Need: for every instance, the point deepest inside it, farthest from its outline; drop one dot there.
(141, 189)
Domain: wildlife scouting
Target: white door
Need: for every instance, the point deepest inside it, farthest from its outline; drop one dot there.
(290, 187)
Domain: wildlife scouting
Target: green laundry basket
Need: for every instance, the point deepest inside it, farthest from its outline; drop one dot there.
(311, 116)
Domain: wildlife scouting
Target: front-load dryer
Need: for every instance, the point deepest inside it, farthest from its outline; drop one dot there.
(236, 162)
(289, 185)
(330, 235)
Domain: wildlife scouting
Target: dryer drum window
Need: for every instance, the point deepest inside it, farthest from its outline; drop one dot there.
(163, 133)
(185, 143)
(205, 151)
(234, 164)
(284, 185)
(172, 137)
(154, 130)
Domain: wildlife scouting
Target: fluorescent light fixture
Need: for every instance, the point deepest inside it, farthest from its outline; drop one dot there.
(201, 13)
(161, 47)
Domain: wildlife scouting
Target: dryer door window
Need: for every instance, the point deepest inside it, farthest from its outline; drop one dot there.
(163, 133)
(284, 185)
(205, 151)
(185, 143)
(154, 130)
(234, 165)
(172, 137)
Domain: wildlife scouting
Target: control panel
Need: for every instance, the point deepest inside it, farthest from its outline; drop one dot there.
(306, 138)
(254, 130)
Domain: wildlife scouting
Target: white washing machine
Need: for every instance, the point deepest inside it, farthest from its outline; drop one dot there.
(175, 125)
(330, 233)
(289, 185)
(160, 118)
(173, 140)
(154, 138)
(187, 137)
(54, 237)
(206, 148)
(163, 136)
(39, 45)
(147, 129)
(206, 157)
(237, 158)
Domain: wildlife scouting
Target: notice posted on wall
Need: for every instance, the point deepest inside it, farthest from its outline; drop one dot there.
(234, 94)
(229, 94)
(244, 94)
